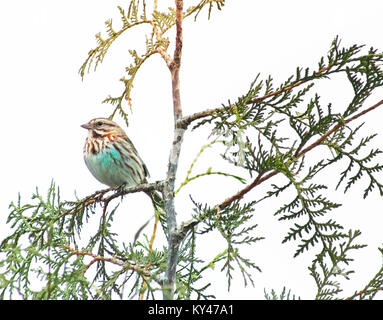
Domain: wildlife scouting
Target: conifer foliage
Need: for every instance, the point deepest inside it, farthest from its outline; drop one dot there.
(271, 130)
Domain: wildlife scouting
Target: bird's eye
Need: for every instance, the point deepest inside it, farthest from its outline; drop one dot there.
(99, 124)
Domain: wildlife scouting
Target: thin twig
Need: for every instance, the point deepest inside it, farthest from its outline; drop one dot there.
(159, 37)
(144, 284)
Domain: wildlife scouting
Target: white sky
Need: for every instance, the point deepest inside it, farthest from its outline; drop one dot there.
(43, 103)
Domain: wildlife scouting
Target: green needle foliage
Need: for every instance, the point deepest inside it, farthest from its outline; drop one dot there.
(282, 296)
(67, 249)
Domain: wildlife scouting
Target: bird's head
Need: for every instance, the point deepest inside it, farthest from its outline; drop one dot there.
(102, 127)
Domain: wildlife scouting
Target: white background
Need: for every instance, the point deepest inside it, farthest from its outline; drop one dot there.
(43, 103)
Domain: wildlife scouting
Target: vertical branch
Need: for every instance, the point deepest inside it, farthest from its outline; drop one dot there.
(176, 63)
(173, 236)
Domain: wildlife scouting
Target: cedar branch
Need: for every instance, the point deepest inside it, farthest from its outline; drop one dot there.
(185, 121)
(262, 177)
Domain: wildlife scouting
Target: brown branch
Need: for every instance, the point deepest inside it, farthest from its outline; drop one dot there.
(262, 177)
(114, 260)
(240, 194)
(364, 292)
(336, 127)
(288, 88)
(91, 254)
(185, 121)
(176, 63)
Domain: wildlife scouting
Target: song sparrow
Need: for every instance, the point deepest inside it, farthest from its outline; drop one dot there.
(112, 158)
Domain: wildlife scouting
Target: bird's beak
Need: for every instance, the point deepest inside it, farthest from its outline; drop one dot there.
(86, 126)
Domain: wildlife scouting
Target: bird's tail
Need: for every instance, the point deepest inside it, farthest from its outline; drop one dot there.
(157, 200)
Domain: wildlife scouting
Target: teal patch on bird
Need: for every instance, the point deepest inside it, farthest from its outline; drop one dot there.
(110, 155)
